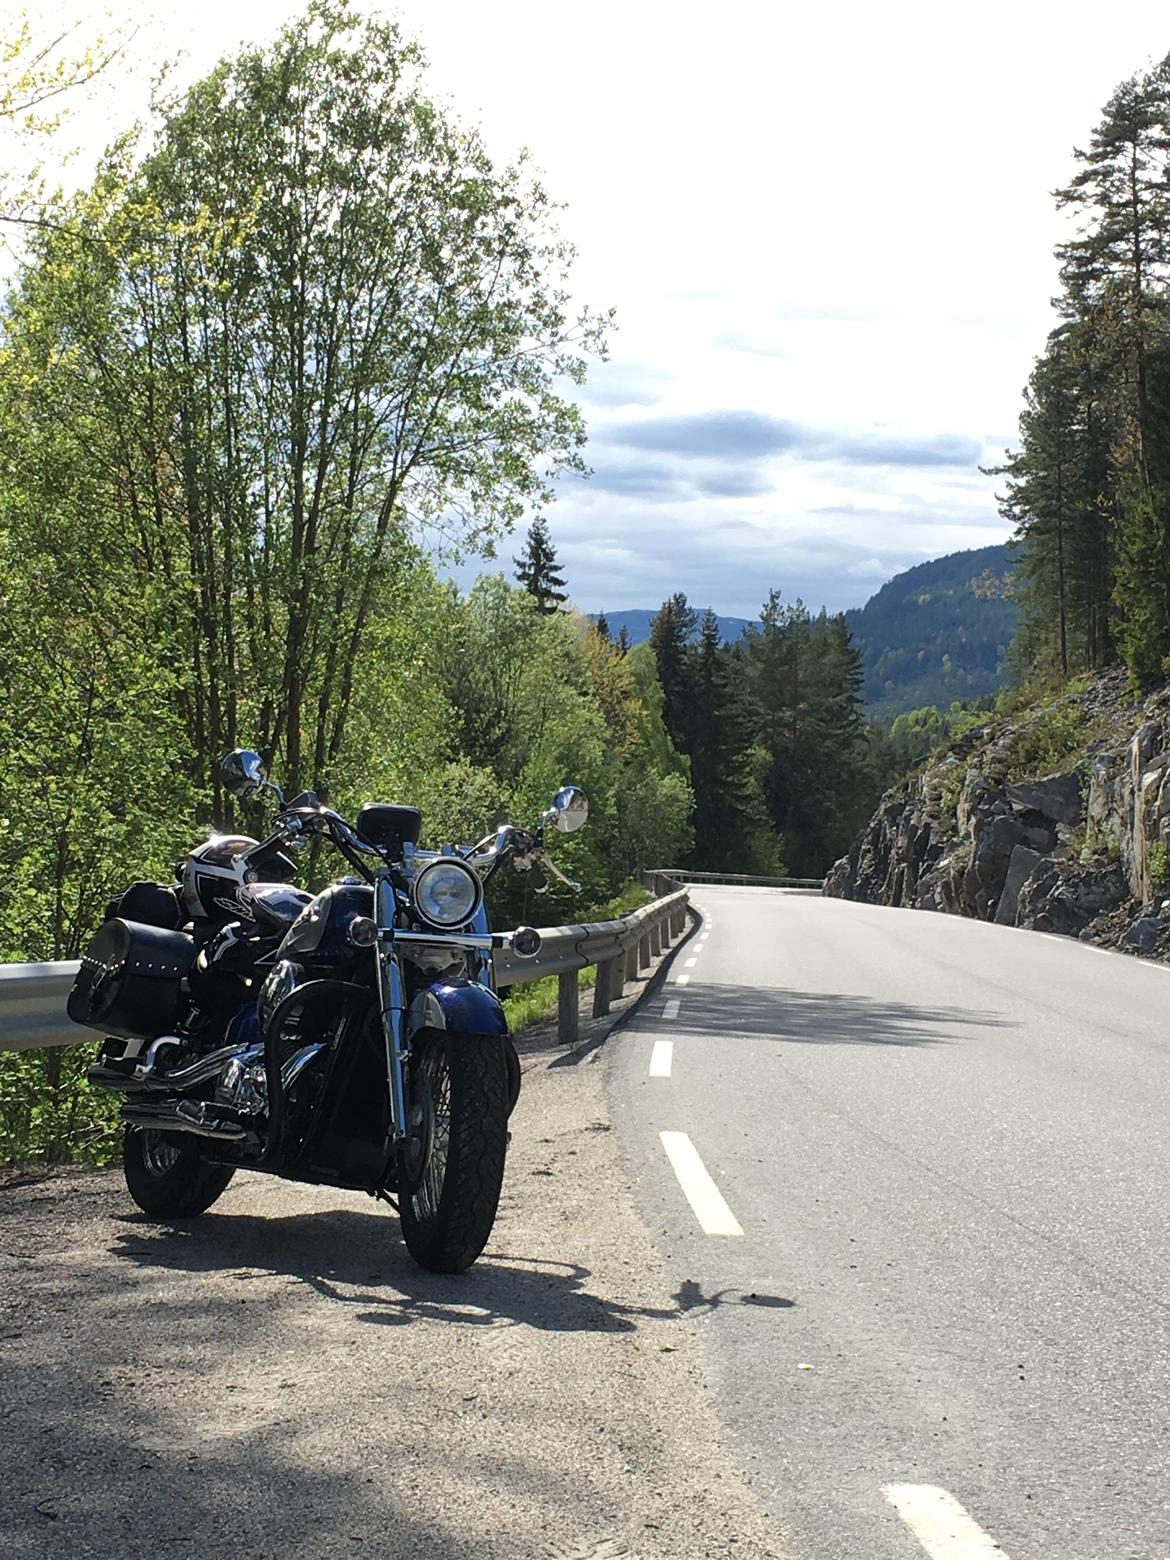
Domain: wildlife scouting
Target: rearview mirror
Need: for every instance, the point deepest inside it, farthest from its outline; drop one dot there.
(243, 773)
(569, 810)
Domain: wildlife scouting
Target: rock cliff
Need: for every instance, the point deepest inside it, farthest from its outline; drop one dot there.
(1056, 817)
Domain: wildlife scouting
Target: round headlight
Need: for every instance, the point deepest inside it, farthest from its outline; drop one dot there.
(447, 893)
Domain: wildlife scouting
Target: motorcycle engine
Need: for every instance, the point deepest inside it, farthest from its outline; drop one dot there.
(243, 1083)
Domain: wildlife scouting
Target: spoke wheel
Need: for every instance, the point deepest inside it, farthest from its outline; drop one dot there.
(459, 1082)
(159, 1156)
(167, 1176)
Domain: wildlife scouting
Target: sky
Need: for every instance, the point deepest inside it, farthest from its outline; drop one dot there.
(826, 232)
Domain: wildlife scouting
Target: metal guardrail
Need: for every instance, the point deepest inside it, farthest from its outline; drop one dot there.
(32, 1006)
(32, 996)
(734, 879)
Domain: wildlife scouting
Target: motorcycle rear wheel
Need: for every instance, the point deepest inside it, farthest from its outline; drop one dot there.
(166, 1175)
(461, 1083)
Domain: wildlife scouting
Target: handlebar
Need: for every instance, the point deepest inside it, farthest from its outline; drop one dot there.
(526, 851)
(258, 854)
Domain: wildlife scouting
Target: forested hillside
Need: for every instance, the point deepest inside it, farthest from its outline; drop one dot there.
(937, 632)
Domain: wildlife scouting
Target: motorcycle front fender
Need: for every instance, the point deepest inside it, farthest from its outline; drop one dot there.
(463, 1008)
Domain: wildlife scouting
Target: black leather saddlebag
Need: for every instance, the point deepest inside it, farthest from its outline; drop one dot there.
(130, 981)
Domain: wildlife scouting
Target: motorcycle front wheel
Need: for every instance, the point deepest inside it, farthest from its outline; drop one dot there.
(459, 1094)
(167, 1177)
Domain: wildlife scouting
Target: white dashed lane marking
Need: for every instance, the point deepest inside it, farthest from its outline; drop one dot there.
(940, 1524)
(705, 1198)
(660, 1058)
(681, 980)
(671, 1008)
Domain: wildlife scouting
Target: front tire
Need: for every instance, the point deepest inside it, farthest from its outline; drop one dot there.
(166, 1175)
(461, 1083)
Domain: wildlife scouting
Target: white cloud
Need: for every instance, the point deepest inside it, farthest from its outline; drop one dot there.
(836, 219)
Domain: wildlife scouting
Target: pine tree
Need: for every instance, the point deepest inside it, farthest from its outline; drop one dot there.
(1116, 276)
(730, 819)
(601, 626)
(623, 641)
(1057, 496)
(537, 568)
(804, 678)
(671, 634)
(1118, 261)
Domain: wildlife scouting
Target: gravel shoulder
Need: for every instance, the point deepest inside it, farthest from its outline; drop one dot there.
(279, 1379)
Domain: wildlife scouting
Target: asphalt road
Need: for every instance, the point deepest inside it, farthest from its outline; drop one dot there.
(943, 1323)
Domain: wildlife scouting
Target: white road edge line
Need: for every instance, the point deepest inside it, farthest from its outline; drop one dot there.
(660, 1058)
(671, 1008)
(705, 1198)
(940, 1524)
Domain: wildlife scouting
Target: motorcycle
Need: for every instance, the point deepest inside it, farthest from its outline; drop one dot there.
(350, 1038)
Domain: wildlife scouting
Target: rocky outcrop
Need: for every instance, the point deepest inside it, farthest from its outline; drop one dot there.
(1083, 851)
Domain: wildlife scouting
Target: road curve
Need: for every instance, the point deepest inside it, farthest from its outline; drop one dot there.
(940, 1322)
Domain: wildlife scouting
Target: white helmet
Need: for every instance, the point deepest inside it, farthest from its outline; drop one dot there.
(213, 875)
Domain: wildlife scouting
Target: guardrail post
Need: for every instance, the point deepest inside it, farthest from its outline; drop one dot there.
(644, 951)
(567, 1008)
(632, 962)
(608, 988)
(656, 940)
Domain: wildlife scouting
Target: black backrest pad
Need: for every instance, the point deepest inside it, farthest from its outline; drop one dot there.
(384, 823)
(153, 904)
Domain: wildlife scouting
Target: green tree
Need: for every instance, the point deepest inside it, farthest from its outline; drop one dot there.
(671, 636)
(730, 820)
(313, 318)
(1115, 273)
(803, 676)
(537, 568)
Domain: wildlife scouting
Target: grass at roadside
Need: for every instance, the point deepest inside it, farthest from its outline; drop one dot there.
(536, 1001)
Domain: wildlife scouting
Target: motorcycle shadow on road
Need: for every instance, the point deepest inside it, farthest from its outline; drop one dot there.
(353, 1259)
(822, 1018)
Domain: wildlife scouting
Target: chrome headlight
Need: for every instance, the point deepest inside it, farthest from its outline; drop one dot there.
(447, 893)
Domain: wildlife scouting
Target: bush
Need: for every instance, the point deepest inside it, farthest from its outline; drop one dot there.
(1053, 740)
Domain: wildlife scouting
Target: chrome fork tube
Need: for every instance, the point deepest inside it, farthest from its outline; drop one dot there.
(392, 1001)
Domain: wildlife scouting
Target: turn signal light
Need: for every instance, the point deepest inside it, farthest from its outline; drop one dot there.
(526, 941)
(363, 932)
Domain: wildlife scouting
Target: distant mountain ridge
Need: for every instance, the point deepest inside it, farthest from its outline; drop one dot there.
(934, 633)
(638, 622)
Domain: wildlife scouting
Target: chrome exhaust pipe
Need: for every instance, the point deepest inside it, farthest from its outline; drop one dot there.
(149, 1078)
(184, 1116)
(207, 1067)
